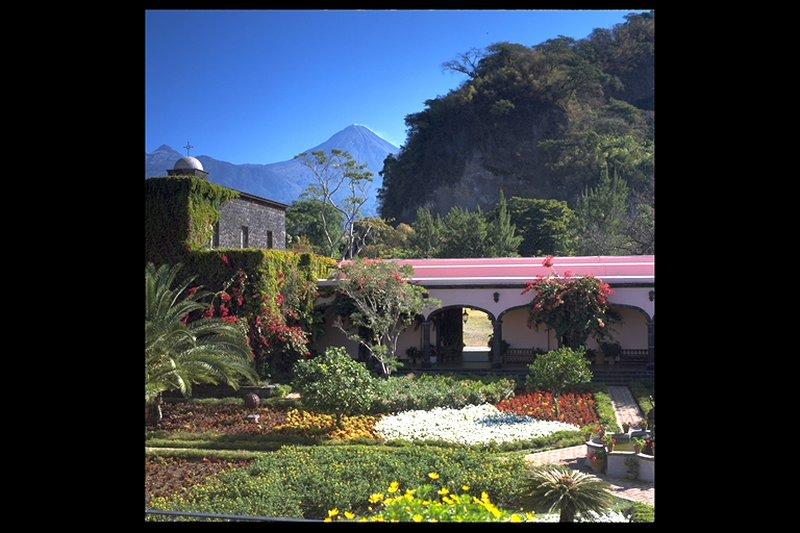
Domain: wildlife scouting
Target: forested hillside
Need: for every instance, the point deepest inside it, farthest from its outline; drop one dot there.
(545, 121)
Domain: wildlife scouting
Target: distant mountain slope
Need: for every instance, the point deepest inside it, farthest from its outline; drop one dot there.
(286, 180)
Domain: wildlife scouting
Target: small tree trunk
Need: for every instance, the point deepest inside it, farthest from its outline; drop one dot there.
(340, 420)
(555, 404)
(152, 412)
(567, 514)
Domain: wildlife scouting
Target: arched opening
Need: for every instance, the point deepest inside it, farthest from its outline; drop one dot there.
(460, 337)
(630, 342)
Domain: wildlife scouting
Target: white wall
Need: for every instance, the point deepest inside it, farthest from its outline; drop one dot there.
(410, 337)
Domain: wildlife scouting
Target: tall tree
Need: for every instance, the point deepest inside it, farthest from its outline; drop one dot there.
(603, 217)
(427, 236)
(547, 226)
(335, 172)
(321, 223)
(503, 238)
(464, 234)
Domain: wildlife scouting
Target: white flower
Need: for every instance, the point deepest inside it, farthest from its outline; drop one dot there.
(473, 424)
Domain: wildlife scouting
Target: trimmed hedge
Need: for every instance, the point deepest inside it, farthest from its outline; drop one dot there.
(397, 394)
(641, 393)
(307, 482)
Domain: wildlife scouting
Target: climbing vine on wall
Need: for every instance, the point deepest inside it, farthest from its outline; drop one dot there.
(180, 212)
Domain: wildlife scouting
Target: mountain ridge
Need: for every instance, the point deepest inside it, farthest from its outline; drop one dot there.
(284, 181)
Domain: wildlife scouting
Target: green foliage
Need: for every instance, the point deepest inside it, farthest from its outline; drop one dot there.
(605, 410)
(559, 371)
(567, 491)
(428, 391)
(429, 503)
(642, 392)
(639, 512)
(548, 227)
(603, 218)
(427, 234)
(311, 218)
(180, 212)
(464, 234)
(179, 354)
(502, 235)
(376, 238)
(306, 482)
(334, 383)
(334, 172)
(542, 120)
(384, 304)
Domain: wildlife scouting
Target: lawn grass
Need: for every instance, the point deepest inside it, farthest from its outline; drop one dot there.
(477, 329)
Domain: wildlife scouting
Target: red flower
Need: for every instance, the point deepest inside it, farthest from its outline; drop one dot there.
(224, 311)
(225, 296)
(548, 262)
(567, 274)
(192, 291)
(229, 319)
(225, 260)
(240, 300)
(209, 312)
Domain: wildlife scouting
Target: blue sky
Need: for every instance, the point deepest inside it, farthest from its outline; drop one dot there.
(262, 86)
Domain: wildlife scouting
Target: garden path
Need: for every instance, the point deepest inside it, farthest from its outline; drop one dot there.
(625, 407)
(575, 457)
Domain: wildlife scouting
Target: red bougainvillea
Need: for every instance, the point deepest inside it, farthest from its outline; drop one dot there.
(573, 307)
(575, 408)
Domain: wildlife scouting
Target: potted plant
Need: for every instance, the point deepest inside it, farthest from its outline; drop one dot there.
(610, 443)
(597, 461)
(638, 445)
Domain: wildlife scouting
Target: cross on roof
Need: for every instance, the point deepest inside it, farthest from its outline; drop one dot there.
(188, 147)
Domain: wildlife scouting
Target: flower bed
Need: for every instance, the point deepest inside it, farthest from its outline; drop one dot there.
(165, 476)
(315, 425)
(469, 425)
(576, 408)
(229, 419)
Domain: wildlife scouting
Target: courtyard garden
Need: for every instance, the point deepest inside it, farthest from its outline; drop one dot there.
(348, 443)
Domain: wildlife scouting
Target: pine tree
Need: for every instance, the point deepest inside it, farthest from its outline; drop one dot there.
(603, 217)
(503, 238)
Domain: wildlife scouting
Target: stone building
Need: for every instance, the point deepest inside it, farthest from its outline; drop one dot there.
(246, 222)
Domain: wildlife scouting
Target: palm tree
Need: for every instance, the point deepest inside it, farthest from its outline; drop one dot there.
(568, 491)
(179, 354)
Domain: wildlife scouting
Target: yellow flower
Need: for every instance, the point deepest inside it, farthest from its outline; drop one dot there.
(394, 487)
(349, 515)
(375, 498)
(410, 492)
(443, 492)
(465, 488)
(333, 512)
(417, 518)
(364, 519)
(484, 497)
(329, 519)
(516, 518)
(433, 475)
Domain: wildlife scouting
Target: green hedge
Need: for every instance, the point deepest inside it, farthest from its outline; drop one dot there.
(397, 394)
(180, 212)
(641, 393)
(307, 482)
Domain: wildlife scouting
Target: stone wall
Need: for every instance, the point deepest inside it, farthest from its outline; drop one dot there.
(259, 219)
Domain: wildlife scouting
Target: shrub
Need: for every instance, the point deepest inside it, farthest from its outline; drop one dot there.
(640, 512)
(558, 371)
(317, 426)
(313, 480)
(334, 383)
